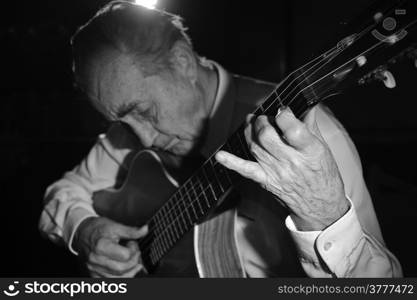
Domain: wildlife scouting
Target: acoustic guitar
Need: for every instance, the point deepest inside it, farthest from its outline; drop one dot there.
(191, 222)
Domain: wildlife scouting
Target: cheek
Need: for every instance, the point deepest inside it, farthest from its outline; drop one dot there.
(181, 110)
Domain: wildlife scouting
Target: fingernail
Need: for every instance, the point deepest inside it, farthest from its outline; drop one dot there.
(219, 156)
(280, 110)
(283, 109)
(249, 117)
(146, 228)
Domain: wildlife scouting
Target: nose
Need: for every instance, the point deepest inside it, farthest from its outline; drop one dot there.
(143, 130)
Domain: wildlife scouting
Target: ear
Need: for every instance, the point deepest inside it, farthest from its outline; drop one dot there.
(184, 60)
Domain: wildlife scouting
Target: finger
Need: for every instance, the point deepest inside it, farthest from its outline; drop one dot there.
(310, 120)
(135, 247)
(133, 272)
(269, 139)
(295, 132)
(94, 274)
(250, 118)
(114, 251)
(105, 265)
(98, 273)
(248, 169)
(128, 232)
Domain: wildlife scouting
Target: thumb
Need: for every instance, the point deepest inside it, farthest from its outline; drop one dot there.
(129, 232)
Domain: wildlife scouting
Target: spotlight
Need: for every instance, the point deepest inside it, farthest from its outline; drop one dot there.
(147, 3)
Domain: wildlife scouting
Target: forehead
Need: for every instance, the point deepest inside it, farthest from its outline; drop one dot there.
(113, 80)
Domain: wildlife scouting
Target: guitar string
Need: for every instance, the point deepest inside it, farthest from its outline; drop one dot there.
(322, 78)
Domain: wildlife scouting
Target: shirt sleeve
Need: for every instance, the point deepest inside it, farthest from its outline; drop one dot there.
(343, 250)
(68, 201)
(353, 246)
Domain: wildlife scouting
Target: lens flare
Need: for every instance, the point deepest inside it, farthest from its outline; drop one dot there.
(147, 3)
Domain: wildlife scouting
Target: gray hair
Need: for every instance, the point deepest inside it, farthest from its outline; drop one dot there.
(146, 34)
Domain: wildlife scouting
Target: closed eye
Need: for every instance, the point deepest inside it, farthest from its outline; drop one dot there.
(148, 113)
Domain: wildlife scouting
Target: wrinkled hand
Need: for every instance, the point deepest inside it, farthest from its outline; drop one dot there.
(97, 241)
(296, 166)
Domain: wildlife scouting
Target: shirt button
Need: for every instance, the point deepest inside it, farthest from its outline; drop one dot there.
(327, 246)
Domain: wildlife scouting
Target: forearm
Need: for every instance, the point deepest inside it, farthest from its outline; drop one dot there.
(70, 200)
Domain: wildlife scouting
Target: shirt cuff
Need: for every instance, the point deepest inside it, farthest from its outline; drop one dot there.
(75, 217)
(333, 245)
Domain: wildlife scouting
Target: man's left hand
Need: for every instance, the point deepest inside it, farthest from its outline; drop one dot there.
(296, 165)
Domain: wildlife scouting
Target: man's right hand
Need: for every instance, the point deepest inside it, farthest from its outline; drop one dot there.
(97, 241)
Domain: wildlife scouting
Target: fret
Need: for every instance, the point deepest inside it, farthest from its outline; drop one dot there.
(183, 218)
(214, 163)
(194, 196)
(206, 199)
(196, 182)
(244, 145)
(223, 177)
(176, 212)
(199, 190)
(158, 247)
(161, 221)
(215, 186)
(273, 108)
(183, 208)
(166, 238)
(271, 99)
(259, 111)
(187, 200)
(179, 218)
(228, 146)
(165, 219)
(170, 219)
(235, 146)
(160, 238)
(209, 197)
(152, 254)
(153, 229)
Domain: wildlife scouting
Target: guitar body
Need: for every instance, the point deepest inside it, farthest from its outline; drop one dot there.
(208, 250)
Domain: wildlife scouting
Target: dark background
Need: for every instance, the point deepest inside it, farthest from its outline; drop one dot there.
(46, 127)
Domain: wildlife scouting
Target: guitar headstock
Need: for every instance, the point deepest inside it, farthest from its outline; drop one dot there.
(389, 36)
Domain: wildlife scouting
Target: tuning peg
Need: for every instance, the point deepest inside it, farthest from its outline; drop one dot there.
(388, 79)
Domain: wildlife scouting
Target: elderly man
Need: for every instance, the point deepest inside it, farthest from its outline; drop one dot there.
(138, 68)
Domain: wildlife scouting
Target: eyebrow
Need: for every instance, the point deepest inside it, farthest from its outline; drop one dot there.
(125, 109)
